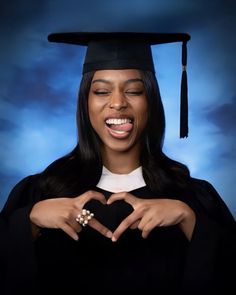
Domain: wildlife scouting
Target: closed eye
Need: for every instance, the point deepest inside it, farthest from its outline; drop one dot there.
(101, 92)
(134, 93)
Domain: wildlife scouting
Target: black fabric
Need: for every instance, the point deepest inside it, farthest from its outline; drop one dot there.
(117, 50)
(17, 255)
(118, 54)
(184, 95)
(164, 263)
(84, 38)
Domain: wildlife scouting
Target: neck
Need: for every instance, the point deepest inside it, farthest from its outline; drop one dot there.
(121, 162)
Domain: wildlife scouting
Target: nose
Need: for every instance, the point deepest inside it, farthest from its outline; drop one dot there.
(117, 101)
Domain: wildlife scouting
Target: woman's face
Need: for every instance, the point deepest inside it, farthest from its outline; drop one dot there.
(118, 108)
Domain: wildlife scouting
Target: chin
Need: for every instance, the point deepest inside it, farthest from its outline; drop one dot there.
(119, 146)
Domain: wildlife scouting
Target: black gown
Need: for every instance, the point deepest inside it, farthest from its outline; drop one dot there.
(164, 263)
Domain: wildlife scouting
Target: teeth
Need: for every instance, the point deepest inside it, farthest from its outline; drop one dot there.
(117, 121)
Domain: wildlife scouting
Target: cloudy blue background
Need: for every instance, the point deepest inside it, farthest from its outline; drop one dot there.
(39, 81)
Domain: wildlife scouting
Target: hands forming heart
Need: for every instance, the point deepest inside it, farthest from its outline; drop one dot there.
(146, 215)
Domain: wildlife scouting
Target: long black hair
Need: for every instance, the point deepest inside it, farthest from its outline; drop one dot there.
(81, 169)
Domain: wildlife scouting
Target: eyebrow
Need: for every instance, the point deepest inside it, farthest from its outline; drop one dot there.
(126, 82)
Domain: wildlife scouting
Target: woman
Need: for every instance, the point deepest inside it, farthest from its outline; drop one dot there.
(117, 214)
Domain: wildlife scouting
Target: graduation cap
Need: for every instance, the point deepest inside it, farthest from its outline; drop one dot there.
(128, 50)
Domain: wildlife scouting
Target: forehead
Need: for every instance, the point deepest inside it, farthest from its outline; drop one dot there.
(117, 75)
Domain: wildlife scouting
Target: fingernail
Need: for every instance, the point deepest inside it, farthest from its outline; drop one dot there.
(109, 234)
(113, 239)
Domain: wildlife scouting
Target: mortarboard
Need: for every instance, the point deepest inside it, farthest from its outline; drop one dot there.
(128, 50)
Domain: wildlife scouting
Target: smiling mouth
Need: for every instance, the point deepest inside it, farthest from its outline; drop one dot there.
(119, 127)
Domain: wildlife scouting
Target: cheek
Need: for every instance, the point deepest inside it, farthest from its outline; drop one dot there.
(142, 115)
(93, 117)
(94, 111)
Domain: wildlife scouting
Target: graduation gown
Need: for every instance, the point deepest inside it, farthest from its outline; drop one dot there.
(164, 263)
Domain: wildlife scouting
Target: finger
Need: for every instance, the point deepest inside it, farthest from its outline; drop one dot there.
(145, 233)
(147, 229)
(128, 198)
(70, 231)
(89, 195)
(95, 224)
(135, 224)
(145, 220)
(126, 223)
(75, 225)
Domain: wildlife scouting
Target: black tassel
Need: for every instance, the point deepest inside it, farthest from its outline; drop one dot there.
(184, 95)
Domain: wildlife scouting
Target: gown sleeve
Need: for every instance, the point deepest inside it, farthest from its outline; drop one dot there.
(17, 251)
(211, 257)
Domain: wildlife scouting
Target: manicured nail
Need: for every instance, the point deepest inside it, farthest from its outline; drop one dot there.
(76, 238)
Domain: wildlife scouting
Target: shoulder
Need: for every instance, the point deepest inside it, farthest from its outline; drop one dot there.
(27, 180)
(210, 200)
(204, 187)
(26, 191)
(27, 183)
(205, 194)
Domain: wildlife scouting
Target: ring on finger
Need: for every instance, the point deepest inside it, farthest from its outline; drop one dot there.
(84, 217)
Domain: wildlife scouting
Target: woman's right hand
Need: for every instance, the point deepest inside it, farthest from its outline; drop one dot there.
(61, 213)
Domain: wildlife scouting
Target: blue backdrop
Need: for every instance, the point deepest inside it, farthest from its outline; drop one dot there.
(39, 82)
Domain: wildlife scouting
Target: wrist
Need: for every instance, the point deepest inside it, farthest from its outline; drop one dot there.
(188, 222)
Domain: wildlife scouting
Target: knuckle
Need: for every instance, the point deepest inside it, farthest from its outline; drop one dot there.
(141, 209)
(62, 226)
(103, 230)
(90, 194)
(78, 204)
(125, 223)
(80, 199)
(126, 194)
(67, 216)
(145, 230)
(140, 227)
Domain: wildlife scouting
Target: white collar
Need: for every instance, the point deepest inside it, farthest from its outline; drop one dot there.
(115, 183)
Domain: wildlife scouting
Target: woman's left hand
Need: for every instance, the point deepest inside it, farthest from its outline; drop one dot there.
(151, 213)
